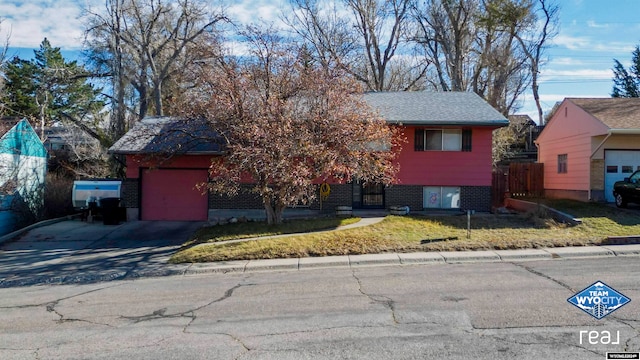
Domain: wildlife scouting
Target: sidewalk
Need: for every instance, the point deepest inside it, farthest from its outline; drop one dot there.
(363, 222)
(403, 259)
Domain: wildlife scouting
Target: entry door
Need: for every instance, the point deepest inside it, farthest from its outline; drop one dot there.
(372, 196)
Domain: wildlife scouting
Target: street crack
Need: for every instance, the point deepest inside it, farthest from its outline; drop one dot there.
(191, 313)
(378, 299)
(538, 273)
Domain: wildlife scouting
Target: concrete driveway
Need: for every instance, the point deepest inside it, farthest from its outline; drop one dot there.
(78, 252)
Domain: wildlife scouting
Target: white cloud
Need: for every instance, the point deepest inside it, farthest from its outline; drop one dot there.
(577, 74)
(28, 23)
(593, 24)
(590, 44)
(565, 61)
(248, 12)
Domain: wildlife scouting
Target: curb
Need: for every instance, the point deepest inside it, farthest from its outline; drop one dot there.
(417, 258)
(10, 236)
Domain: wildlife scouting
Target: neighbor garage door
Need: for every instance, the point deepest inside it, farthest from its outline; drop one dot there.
(619, 164)
(169, 194)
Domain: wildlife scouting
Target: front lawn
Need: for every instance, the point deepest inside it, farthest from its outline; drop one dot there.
(435, 233)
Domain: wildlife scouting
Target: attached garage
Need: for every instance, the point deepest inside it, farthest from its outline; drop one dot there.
(588, 145)
(172, 194)
(619, 164)
(167, 158)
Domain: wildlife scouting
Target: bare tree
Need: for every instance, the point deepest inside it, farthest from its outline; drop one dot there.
(534, 44)
(143, 43)
(446, 31)
(366, 38)
(476, 45)
(3, 58)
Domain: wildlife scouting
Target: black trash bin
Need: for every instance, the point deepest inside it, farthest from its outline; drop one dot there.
(110, 211)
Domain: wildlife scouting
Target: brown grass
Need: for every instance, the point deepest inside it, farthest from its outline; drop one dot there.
(445, 233)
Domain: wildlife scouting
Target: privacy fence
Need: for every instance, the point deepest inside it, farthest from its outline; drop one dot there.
(522, 180)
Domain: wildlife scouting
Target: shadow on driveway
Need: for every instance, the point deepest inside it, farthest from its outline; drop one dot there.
(72, 252)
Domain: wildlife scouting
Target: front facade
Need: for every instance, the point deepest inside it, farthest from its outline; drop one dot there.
(588, 145)
(444, 164)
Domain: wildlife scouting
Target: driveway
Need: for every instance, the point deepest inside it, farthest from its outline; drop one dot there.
(78, 252)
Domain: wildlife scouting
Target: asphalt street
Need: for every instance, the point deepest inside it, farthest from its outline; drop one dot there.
(505, 310)
(80, 252)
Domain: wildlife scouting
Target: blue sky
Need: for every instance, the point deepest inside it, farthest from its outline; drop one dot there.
(592, 33)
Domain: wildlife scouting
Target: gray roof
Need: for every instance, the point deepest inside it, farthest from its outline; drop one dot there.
(435, 108)
(169, 135)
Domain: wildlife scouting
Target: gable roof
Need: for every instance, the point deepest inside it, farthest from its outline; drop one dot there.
(615, 113)
(435, 108)
(164, 135)
(21, 139)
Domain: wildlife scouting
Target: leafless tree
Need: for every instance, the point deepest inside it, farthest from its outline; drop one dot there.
(4, 47)
(483, 46)
(142, 44)
(366, 38)
(535, 42)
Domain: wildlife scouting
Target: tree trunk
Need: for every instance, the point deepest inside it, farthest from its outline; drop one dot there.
(157, 97)
(273, 210)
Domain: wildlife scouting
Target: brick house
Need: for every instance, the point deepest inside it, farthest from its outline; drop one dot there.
(445, 164)
(588, 145)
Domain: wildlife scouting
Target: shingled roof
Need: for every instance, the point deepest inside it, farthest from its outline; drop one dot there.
(616, 113)
(169, 135)
(435, 108)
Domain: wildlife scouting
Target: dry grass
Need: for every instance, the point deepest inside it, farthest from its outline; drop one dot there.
(244, 230)
(446, 233)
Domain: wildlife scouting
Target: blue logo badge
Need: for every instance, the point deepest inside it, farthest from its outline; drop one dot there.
(598, 300)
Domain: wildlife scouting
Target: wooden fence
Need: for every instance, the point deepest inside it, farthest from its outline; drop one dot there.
(523, 180)
(498, 188)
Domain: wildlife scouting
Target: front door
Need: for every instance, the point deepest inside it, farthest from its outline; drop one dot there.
(372, 196)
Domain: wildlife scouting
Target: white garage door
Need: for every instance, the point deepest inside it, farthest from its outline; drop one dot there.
(618, 164)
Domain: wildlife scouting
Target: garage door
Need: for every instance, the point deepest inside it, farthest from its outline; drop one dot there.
(619, 164)
(172, 195)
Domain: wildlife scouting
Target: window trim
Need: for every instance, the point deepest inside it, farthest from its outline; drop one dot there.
(464, 137)
(439, 196)
(563, 162)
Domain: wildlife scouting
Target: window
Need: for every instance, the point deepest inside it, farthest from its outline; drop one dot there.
(627, 169)
(433, 139)
(442, 140)
(441, 197)
(562, 164)
(612, 169)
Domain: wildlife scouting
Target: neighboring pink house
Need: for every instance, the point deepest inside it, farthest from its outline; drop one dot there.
(588, 145)
(445, 164)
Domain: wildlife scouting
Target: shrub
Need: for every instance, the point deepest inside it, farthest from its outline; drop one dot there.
(57, 196)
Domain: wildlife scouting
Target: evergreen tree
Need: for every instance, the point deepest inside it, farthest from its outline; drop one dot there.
(626, 83)
(49, 89)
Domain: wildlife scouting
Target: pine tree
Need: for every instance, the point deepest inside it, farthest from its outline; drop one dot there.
(626, 83)
(46, 87)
